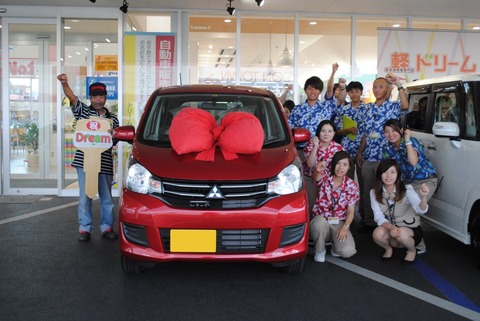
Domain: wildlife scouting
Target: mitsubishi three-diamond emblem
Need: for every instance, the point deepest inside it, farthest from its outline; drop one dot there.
(215, 193)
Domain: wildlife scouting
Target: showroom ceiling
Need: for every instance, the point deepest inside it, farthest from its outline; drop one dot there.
(424, 8)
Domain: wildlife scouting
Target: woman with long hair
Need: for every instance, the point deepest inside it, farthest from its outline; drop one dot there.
(396, 208)
(334, 208)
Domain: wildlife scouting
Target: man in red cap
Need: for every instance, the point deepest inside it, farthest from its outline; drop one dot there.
(98, 98)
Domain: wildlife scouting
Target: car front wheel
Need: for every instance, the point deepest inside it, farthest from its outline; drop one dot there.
(295, 268)
(130, 266)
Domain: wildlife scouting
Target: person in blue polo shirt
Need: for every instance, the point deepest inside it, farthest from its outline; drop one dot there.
(417, 169)
(309, 114)
(371, 130)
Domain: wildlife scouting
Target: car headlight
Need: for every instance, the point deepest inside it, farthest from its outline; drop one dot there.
(139, 180)
(288, 181)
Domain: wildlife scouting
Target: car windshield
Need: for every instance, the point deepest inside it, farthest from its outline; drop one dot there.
(164, 108)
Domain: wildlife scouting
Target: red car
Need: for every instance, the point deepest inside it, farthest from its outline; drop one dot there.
(248, 207)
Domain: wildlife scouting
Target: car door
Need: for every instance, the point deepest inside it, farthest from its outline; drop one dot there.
(452, 158)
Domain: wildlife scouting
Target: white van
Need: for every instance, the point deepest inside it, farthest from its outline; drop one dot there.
(444, 113)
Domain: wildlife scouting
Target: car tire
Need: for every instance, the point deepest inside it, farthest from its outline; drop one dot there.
(475, 238)
(295, 268)
(130, 266)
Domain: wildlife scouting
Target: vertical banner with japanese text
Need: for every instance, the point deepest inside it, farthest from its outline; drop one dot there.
(421, 54)
(149, 62)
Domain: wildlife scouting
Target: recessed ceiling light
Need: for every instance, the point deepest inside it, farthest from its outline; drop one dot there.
(67, 27)
(396, 25)
(313, 23)
(476, 28)
(227, 20)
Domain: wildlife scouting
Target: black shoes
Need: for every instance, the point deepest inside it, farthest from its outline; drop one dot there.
(84, 237)
(110, 235)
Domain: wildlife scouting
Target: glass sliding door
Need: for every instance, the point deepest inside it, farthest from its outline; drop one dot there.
(87, 56)
(30, 164)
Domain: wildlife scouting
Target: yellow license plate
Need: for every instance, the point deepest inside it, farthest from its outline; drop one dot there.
(193, 241)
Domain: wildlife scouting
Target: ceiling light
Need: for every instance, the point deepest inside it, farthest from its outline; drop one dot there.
(124, 7)
(396, 25)
(260, 2)
(286, 59)
(476, 28)
(230, 9)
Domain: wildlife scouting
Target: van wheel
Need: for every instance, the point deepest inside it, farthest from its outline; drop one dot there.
(130, 266)
(475, 238)
(295, 268)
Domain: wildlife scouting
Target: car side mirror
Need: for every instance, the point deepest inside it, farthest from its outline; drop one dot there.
(124, 134)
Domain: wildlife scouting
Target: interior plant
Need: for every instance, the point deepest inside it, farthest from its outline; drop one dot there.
(31, 137)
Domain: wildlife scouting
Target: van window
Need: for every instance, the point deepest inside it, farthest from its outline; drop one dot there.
(446, 108)
(418, 109)
(470, 123)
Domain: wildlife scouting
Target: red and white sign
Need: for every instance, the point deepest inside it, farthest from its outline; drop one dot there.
(421, 54)
(94, 137)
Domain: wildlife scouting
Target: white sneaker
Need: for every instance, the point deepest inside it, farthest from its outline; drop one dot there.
(320, 257)
(421, 247)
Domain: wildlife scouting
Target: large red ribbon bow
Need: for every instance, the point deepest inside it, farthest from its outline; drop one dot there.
(195, 130)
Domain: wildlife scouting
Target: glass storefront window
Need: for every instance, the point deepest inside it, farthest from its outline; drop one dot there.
(365, 69)
(473, 26)
(212, 53)
(88, 56)
(267, 54)
(32, 133)
(436, 24)
(323, 42)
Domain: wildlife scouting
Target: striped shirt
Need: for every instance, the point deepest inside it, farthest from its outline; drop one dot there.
(82, 111)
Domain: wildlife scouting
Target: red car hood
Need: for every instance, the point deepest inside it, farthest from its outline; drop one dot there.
(165, 162)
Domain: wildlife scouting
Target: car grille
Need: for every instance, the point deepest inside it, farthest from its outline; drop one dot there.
(214, 195)
(231, 241)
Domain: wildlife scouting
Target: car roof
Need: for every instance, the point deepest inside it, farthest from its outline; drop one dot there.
(220, 89)
(444, 79)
